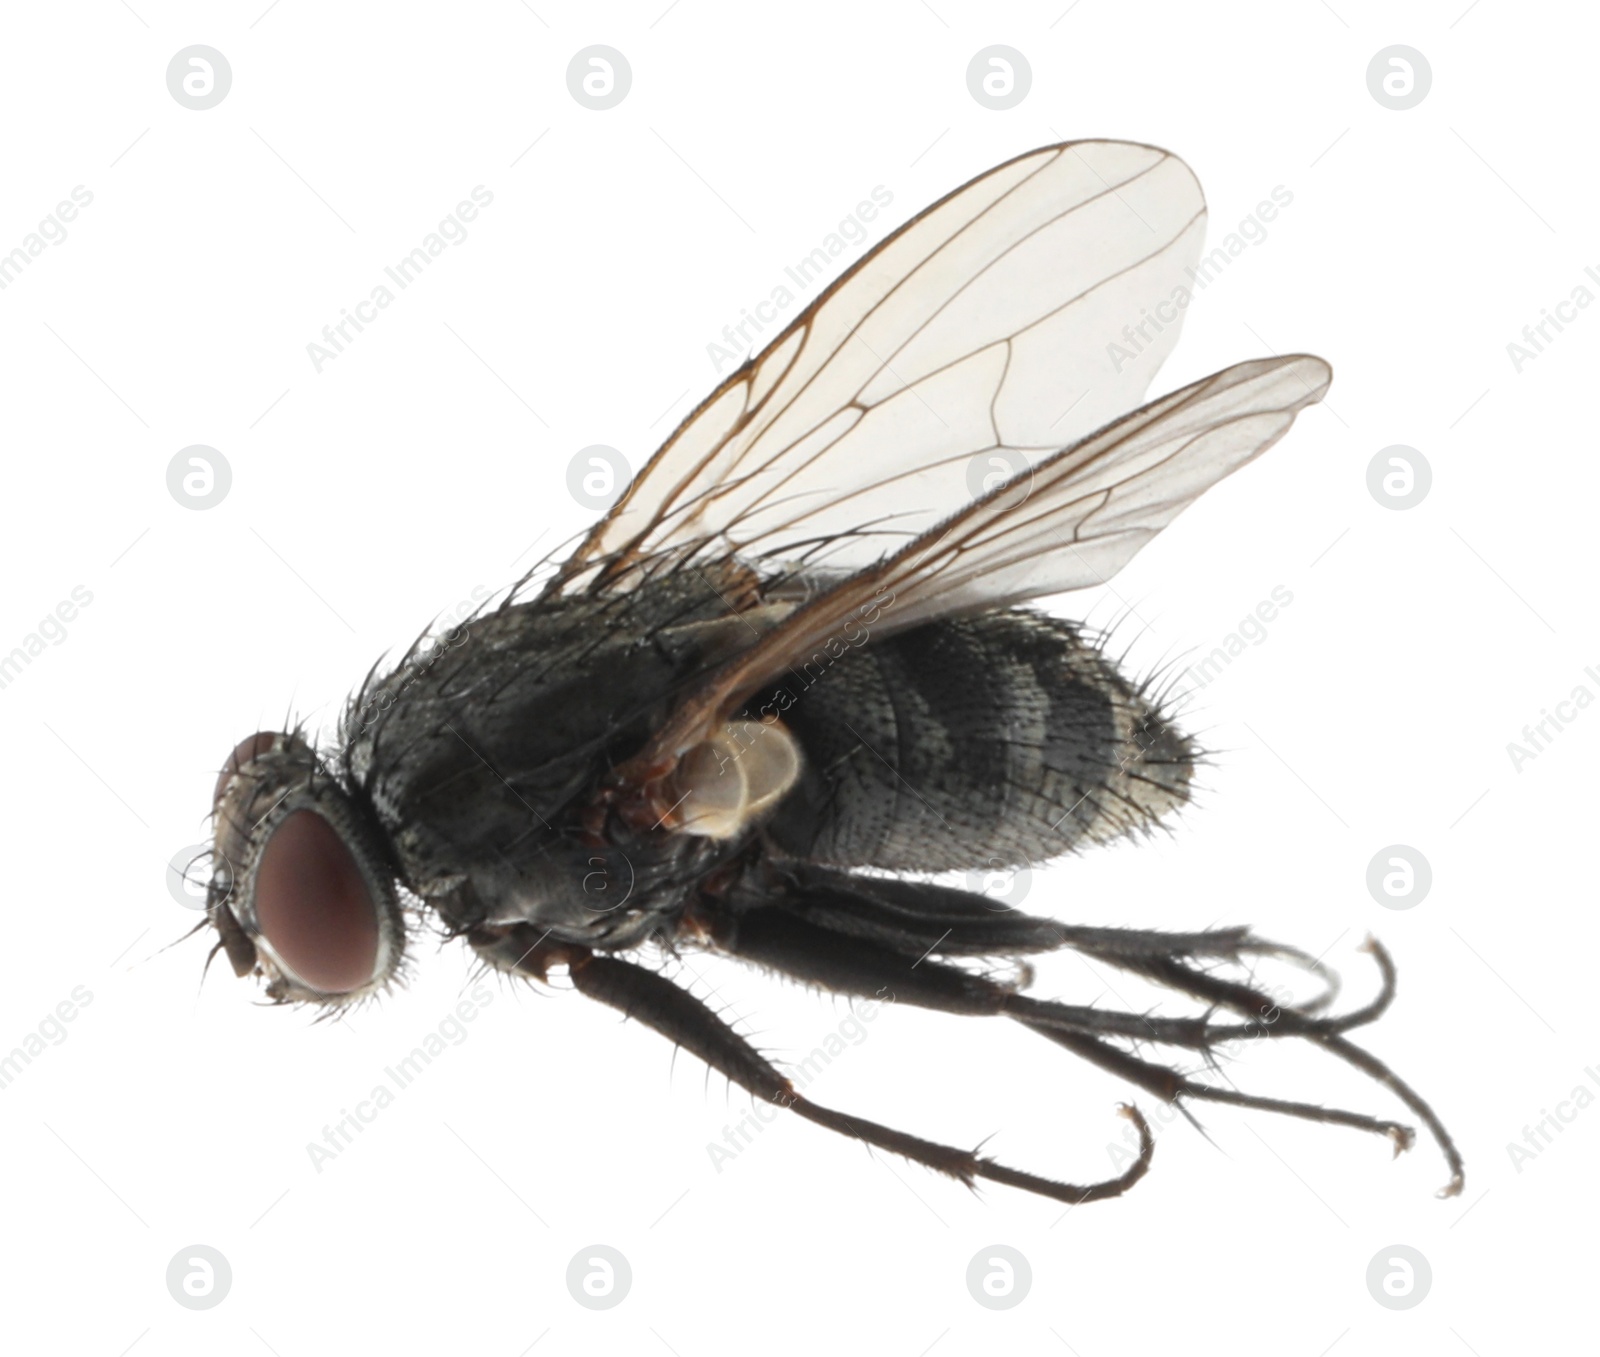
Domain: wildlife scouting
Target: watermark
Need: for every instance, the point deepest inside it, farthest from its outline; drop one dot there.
(451, 1030)
(852, 635)
(52, 230)
(599, 1277)
(805, 273)
(1538, 337)
(51, 629)
(451, 231)
(597, 476)
(999, 77)
(999, 1277)
(1399, 1277)
(1538, 736)
(600, 876)
(429, 652)
(199, 77)
(1538, 1138)
(1136, 338)
(192, 890)
(1399, 877)
(1399, 477)
(851, 1032)
(50, 1030)
(199, 1277)
(599, 77)
(199, 477)
(1399, 77)
(1005, 886)
(1251, 632)
(988, 471)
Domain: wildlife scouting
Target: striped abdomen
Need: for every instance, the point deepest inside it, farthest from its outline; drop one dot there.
(999, 739)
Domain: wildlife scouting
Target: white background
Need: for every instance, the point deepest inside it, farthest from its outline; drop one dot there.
(422, 463)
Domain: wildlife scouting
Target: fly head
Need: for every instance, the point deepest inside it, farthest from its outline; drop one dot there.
(302, 891)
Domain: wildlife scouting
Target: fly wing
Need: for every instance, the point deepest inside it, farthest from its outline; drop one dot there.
(1072, 521)
(1080, 516)
(1025, 309)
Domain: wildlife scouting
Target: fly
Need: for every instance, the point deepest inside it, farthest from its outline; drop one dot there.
(794, 664)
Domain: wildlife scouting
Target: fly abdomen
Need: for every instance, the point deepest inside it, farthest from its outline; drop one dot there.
(997, 739)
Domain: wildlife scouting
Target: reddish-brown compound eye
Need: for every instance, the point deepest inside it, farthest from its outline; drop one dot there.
(313, 906)
(243, 752)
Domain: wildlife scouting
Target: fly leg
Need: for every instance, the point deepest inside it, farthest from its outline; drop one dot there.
(682, 1018)
(920, 918)
(787, 944)
(678, 1015)
(1243, 998)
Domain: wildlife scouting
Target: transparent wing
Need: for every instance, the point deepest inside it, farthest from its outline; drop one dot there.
(1080, 516)
(1074, 520)
(1029, 307)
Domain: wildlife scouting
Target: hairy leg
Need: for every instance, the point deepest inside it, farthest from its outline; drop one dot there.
(679, 1016)
(782, 940)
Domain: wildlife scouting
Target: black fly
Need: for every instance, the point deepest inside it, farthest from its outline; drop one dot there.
(791, 666)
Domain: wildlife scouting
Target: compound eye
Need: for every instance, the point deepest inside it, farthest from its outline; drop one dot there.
(258, 744)
(314, 908)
